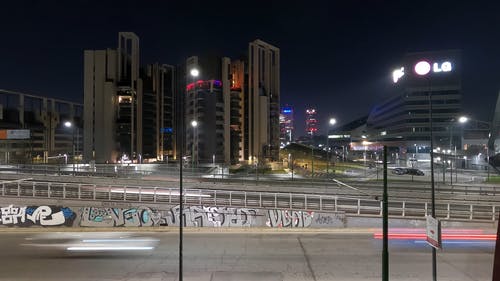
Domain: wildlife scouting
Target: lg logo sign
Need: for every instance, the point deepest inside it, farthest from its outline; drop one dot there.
(424, 67)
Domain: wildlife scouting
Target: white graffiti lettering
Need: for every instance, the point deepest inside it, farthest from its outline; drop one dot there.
(36, 215)
(285, 218)
(12, 215)
(44, 215)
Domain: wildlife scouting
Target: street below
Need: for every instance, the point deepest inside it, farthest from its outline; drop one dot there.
(251, 255)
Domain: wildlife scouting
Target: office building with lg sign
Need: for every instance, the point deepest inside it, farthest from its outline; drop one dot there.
(423, 85)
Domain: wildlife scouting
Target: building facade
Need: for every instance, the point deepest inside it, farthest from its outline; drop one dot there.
(263, 101)
(207, 110)
(427, 86)
(50, 137)
(239, 89)
(129, 111)
(311, 121)
(286, 125)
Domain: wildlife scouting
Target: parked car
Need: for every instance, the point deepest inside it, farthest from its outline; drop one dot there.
(399, 171)
(414, 172)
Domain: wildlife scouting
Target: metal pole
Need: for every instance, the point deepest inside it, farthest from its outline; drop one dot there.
(327, 154)
(496, 259)
(77, 142)
(451, 162)
(181, 221)
(192, 154)
(73, 143)
(487, 160)
(181, 131)
(456, 167)
(444, 168)
(312, 161)
(257, 170)
(434, 265)
(385, 224)
(451, 172)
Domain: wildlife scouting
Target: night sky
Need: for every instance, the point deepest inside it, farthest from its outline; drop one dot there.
(336, 56)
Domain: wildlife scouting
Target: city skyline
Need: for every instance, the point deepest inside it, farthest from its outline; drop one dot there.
(329, 53)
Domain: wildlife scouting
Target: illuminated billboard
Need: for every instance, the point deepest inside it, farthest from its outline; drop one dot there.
(14, 134)
(437, 68)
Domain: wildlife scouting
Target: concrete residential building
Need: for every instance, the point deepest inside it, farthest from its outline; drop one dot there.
(138, 114)
(207, 104)
(239, 88)
(263, 105)
(129, 111)
(112, 102)
(158, 122)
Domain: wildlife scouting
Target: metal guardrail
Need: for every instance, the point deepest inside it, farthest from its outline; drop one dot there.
(264, 200)
(104, 170)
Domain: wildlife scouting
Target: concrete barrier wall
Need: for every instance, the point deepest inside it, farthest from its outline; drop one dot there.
(142, 216)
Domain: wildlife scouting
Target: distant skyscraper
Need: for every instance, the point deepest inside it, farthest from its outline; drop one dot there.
(286, 125)
(311, 121)
(263, 101)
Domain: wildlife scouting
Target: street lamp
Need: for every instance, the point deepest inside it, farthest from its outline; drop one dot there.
(433, 195)
(332, 122)
(194, 125)
(465, 119)
(68, 124)
(194, 72)
(461, 120)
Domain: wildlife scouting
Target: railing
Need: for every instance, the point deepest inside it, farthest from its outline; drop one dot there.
(265, 200)
(101, 170)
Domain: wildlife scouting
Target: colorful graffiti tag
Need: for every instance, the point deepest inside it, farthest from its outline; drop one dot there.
(36, 215)
(192, 216)
(145, 216)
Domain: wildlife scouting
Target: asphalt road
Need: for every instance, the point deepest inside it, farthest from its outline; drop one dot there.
(246, 256)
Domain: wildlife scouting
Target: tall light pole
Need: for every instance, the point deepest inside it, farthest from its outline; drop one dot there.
(194, 125)
(68, 124)
(194, 73)
(332, 122)
(433, 195)
(461, 120)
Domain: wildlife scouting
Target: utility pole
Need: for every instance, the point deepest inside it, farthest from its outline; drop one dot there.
(385, 224)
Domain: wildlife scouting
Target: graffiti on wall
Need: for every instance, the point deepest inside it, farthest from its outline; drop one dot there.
(36, 215)
(110, 217)
(145, 216)
(193, 216)
(215, 216)
(335, 219)
(286, 218)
